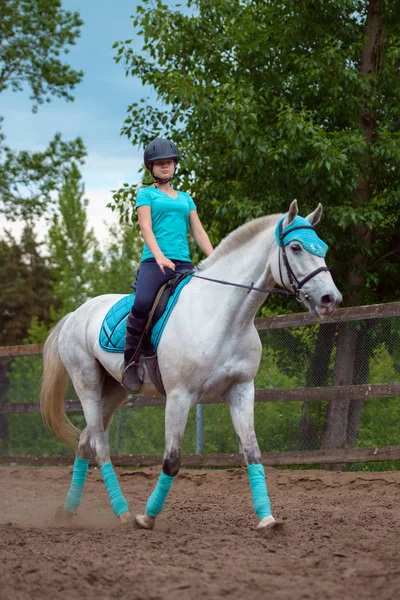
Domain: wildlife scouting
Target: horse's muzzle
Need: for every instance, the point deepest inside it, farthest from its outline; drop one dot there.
(328, 303)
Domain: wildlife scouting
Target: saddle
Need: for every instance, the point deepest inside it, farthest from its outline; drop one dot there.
(113, 329)
(163, 295)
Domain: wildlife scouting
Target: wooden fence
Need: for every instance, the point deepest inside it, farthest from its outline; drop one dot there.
(319, 394)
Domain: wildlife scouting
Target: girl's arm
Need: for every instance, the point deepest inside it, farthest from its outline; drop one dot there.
(199, 234)
(146, 228)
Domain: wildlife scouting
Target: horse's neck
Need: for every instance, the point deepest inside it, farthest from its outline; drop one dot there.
(246, 264)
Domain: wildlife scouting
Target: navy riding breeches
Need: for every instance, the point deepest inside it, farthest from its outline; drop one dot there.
(150, 278)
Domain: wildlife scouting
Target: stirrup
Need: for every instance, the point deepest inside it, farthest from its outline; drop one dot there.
(133, 377)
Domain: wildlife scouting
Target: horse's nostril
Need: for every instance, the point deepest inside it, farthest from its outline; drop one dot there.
(326, 300)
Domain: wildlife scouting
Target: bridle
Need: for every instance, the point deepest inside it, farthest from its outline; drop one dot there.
(297, 292)
(294, 282)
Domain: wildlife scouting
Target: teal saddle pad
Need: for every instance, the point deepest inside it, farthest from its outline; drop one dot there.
(113, 329)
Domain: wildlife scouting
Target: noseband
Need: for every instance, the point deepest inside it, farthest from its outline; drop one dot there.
(294, 282)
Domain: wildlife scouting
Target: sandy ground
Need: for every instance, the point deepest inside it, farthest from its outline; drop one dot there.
(341, 538)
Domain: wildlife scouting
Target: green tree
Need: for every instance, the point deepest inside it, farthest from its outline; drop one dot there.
(120, 261)
(26, 291)
(33, 36)
(81, 269)
(73, 247)
(27, 286)
(274, 100)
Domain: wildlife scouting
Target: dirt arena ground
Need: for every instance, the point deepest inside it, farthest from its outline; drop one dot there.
(341, 538)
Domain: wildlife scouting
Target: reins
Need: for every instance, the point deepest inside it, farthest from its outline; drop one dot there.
(250, 288)
(294, 282)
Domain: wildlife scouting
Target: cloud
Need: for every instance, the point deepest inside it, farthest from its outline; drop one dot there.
(14, 228)
(101, 174)
(96, 115)
(99, 217)
(111, 171)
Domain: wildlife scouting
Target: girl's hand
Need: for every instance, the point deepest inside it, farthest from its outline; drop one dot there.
(165, 262)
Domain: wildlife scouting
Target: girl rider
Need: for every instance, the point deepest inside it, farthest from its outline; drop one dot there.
(164, 216)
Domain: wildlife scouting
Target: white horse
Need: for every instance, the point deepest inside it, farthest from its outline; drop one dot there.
(209, 348)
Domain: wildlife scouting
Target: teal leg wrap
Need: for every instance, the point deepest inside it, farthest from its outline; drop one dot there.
(156, 502)
(261, 503)
(75, 492)
(118, 502)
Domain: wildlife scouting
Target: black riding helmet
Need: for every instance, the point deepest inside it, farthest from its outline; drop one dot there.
(160, 149)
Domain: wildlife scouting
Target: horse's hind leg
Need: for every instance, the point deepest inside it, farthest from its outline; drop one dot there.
(241, 403)
(100, 399)
(176, 414)
(112, 396)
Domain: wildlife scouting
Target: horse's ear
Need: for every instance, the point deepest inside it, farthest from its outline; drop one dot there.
(292, 214)
(315, 217)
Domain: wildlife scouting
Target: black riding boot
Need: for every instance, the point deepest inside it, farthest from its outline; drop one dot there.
(133, 371)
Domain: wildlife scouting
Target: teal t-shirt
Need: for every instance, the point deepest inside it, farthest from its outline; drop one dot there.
(170, 222)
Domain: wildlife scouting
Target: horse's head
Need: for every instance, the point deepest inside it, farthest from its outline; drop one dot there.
(298, 264)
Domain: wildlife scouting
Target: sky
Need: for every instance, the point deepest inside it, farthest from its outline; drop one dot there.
(97, 113)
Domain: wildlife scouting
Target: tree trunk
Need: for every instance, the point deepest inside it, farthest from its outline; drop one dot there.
(360, 375)
(5, 364)
(338, 432)
(371, 59)
(335, 432)
(310, 421)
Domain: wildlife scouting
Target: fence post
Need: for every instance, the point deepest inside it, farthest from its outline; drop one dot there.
(199, 428)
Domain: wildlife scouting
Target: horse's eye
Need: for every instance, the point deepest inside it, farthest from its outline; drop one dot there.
(296, 248)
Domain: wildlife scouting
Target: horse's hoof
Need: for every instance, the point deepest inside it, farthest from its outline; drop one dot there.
(63, 517)
(268, 526)
(125, 518)
(145, 521)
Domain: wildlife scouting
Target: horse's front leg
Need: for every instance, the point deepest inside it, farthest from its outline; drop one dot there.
(176, 413)
(241, 403)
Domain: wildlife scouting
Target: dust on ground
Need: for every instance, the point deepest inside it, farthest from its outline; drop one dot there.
(341, 538)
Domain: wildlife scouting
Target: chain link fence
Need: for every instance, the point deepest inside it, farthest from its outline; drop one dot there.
(330, 354)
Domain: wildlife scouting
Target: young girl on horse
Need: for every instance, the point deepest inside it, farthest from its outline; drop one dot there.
(164, 216)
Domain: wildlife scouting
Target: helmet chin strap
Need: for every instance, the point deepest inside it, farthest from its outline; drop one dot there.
(161, 181)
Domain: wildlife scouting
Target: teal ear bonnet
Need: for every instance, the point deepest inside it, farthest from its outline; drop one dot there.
(306, 237)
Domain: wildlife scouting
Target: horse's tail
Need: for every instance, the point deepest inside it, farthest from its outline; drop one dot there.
(54, 383)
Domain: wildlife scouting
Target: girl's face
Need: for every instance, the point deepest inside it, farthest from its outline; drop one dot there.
(164, 169)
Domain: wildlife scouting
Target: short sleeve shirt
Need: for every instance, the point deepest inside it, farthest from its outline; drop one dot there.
(170, 222)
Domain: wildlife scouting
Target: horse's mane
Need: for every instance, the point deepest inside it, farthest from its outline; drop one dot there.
(238, 237)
